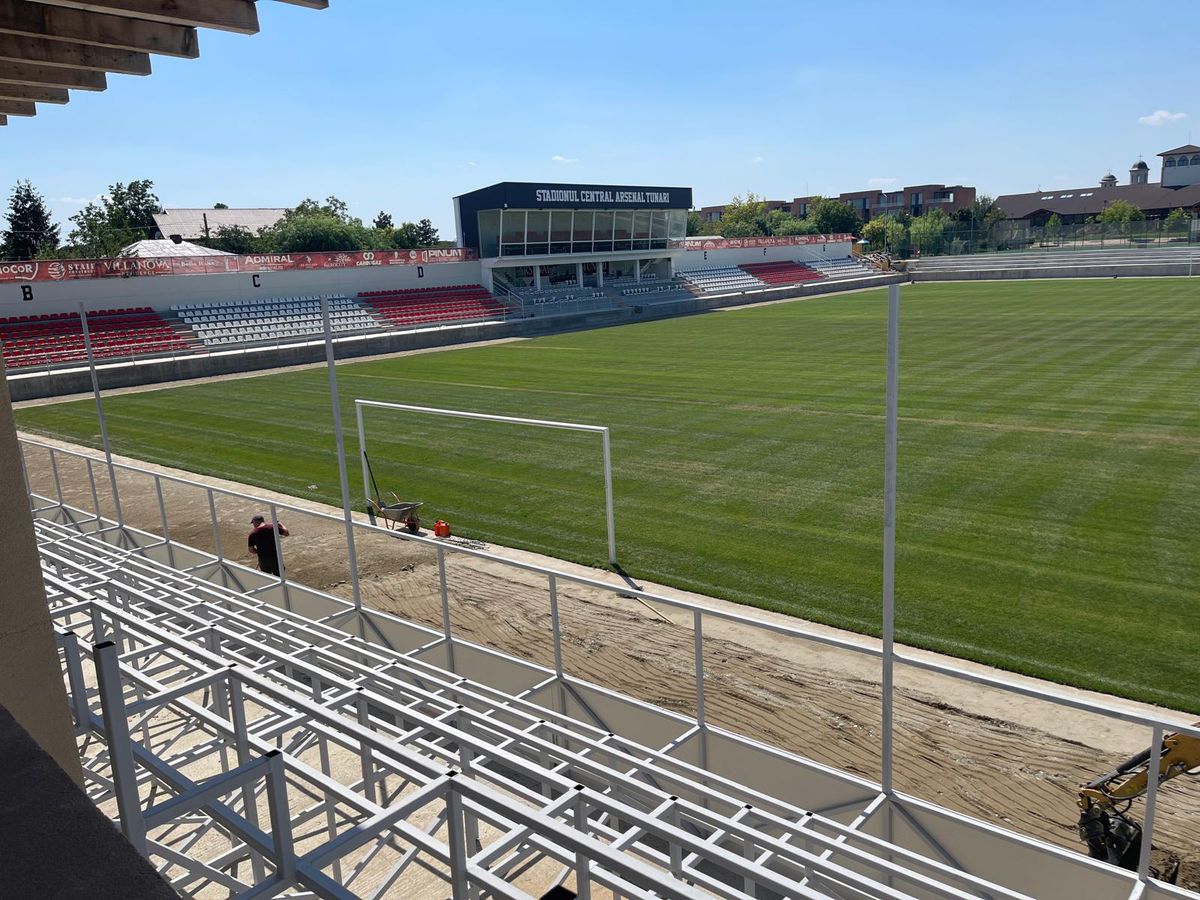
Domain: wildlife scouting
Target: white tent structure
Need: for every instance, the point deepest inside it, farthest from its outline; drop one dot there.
(159, 249)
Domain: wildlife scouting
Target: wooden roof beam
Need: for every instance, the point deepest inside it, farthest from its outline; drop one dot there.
(72, 56)
(37, 20)
(37, 94)
(51, 76)
(3, 120)
(311, 4)
(239, 16)
(17, 108)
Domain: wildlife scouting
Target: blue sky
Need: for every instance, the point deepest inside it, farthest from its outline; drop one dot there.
(400, 106)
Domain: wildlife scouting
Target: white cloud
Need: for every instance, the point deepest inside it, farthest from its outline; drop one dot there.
(756, 160)
(563, 160)
(471, 164)
(1161, 117)
(74, 199)
(881, 181)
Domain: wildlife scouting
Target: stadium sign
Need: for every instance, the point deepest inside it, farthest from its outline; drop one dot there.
(603, 196)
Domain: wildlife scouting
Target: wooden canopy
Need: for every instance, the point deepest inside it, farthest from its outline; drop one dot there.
(50, 47)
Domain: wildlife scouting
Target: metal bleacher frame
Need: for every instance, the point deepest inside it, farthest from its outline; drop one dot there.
(256, 734)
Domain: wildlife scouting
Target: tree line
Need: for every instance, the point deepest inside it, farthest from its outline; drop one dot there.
(749, 217)
(125, 214)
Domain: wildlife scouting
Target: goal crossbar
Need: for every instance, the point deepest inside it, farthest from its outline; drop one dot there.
(602, 430)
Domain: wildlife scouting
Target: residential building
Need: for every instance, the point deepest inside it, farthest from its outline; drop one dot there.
(1178, 187)
(914, 200)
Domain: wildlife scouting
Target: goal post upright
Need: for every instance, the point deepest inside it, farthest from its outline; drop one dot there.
(602, 430)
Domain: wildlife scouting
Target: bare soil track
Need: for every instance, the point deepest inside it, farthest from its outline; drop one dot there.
(997, 757)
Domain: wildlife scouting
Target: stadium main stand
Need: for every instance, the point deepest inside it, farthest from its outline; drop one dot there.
(281, 318)
(58, 337)
(433, 306)
(719, 279)
(778, 273)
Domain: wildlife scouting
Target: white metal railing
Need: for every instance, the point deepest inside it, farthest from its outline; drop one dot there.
(1155, 724)
(170, 638)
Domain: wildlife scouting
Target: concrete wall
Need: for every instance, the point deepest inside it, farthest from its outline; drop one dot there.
(1098, 271)
(161, 291)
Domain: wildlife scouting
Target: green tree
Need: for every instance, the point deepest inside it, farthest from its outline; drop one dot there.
(784, 223)
(1177, 220)
(884, 233)
(234, 239)
(382, 221)
(124, 215)
(1054, 227)
(927, 233)
(332, 208)
(982, 213)
(427, 235)
(693, 223)
(833, 216)
(315, 233)
(220, 206)
(1120, 212)
(743, 218)
(312, 227)
(406, 237)
(30, 230)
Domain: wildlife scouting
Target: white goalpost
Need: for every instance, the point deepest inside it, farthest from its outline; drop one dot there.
(601, 430)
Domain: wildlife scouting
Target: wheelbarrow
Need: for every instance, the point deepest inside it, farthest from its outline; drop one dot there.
(395, 515)
(399, 514)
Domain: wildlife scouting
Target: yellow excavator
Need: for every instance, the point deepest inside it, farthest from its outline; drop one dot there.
(1104, 802)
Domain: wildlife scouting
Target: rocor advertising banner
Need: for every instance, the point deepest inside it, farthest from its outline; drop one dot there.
(71, 269)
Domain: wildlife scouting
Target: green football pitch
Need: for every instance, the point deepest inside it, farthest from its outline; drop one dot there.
(1049, 476)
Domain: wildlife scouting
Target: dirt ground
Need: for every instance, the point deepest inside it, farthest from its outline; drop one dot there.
(995, 756)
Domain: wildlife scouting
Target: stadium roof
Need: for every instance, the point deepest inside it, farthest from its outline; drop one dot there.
(1186, 148)
(192, 223)
(151, 249)
(1088, 201)
(48, 47)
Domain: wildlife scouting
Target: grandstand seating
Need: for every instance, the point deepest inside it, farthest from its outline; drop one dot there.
(657, 292)
(58, 337)
(776, 273)
(839, 267)
(721, 279)
(280, 318)
(433, 306)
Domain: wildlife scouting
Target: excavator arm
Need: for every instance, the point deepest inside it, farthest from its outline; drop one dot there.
(1103, 802)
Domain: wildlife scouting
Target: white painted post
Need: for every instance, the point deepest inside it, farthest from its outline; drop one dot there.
(362, 452)
(352, 557)
(608, 500)
(1153, 764)
(889, 529)
(91, 361)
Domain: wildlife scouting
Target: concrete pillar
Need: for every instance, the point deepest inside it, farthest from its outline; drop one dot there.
(599, 274)
(579, 274)
(31, 682)
(537, 278)
(637, 271)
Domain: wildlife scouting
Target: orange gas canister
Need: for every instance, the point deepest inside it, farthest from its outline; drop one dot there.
(441, 528)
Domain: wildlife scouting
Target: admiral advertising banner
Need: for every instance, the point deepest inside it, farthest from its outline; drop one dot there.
(72, 269)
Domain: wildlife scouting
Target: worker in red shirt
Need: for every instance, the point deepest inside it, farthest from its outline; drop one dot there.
(262, 543)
